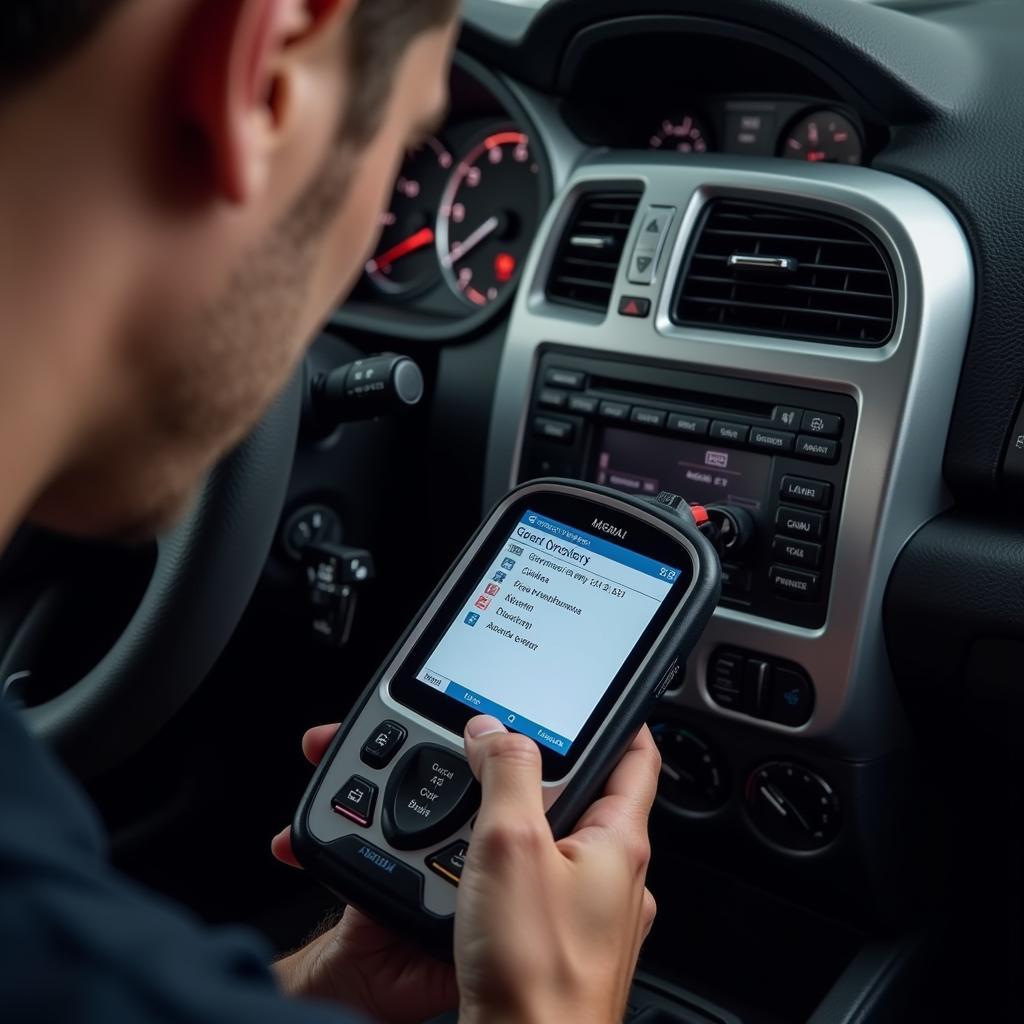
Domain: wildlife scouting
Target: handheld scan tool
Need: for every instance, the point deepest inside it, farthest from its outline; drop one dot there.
(566, 617)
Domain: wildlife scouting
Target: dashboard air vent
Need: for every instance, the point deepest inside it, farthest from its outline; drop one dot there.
(589, 254)
(765, 269)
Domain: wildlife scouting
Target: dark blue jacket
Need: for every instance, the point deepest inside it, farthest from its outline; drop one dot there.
(79, 944)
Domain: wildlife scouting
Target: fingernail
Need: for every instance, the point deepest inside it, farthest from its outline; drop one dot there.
(483, 725)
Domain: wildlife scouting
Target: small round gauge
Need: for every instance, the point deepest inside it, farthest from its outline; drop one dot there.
(685, 134)
(406, 260)
(694, 778)
(824, 137)
(489, 214)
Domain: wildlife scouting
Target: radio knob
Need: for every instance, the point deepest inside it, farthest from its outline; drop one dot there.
(736, 528)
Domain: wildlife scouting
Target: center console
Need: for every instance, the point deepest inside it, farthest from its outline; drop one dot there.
(676, 329)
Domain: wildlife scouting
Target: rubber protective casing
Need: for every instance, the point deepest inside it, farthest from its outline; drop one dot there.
(587, 781)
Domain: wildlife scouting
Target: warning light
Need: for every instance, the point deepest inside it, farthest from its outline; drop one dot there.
(504, 267)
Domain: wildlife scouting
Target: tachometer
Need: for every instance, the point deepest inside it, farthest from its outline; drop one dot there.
(685, 134)
(406, 259)
(489, 214)
(824, 137)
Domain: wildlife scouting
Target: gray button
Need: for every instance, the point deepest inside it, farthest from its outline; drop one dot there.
(642, 267)
(653, 228)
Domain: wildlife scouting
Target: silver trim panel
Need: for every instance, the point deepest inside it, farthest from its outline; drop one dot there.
(904, 389)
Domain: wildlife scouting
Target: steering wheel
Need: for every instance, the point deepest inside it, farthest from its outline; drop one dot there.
(205, 574)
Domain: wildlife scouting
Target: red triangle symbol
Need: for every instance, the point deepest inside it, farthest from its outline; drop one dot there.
(632, 309)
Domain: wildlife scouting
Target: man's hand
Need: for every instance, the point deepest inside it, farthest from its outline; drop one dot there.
(548, 931)
(544, 930)
(357, 962)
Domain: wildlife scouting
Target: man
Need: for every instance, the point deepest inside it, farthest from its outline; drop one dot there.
(186, 188)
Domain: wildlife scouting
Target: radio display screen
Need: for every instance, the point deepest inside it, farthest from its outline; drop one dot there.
(701, 472)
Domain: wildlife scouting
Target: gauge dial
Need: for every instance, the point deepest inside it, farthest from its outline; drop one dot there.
(406, 259)
(685, 134)
(693, 776)
(489, 214)
(824, 137)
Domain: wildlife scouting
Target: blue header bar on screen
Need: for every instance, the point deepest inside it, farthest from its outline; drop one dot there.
(552, 536)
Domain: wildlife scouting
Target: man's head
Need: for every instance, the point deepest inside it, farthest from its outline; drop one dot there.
(210, 174)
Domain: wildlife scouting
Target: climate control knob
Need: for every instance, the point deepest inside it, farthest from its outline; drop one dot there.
(792, 806)
(694, 778)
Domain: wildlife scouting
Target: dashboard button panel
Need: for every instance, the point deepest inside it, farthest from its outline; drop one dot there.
(724, 443)
(760, 687)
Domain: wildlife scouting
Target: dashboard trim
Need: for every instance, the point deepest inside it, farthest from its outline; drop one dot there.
(905, 391)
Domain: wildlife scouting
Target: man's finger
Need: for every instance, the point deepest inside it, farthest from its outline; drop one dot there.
(630, 790)
(316, 742)
(509, 769)
(281, 848)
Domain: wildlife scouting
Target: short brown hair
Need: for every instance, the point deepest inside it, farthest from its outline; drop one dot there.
(37, 34)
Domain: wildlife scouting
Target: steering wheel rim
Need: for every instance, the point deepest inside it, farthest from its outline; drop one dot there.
(206, 572)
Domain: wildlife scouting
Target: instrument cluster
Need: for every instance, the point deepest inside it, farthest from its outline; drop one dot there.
(790, 127)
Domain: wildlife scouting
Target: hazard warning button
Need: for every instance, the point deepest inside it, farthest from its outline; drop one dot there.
(635, 306)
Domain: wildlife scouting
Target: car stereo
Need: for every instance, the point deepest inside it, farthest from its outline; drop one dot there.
(769, 460)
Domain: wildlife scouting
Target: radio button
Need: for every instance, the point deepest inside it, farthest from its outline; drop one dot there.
(552, 399)
(806, 492)
(773, 440)
(554, 430)
(649, 417)
(796, 552)
(822, 424)
(820, 448)
(571, 379)
(795, 584)
(693, 426)
(786, 416)
(614, 411)
(734, 433)
(583, 404)
(799, 523)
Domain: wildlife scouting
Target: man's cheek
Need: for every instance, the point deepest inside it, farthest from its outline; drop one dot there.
(350, 241)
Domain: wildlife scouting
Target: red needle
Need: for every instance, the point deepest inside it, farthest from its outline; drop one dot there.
(411, 244)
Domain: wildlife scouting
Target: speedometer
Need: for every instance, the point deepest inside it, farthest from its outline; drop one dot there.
(406, 260)
(489, 215)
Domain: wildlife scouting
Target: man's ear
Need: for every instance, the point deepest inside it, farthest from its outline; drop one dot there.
(239, 72)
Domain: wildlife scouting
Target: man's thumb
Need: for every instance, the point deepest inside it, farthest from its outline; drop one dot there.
(509, 769)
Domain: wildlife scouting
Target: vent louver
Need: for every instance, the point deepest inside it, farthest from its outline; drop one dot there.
(590, 252)
(767, 269)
